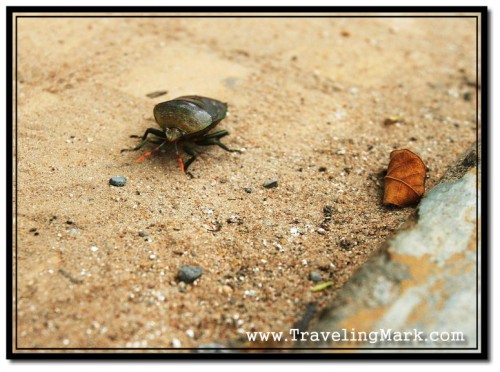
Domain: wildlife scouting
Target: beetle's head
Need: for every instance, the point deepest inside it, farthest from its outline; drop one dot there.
(173, 134)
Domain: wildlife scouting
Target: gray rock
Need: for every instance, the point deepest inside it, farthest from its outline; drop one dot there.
(315, 277)
(270, 183)
(189, 274)
(118, 181)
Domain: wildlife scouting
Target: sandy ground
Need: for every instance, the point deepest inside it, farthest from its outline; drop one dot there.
(307, 103)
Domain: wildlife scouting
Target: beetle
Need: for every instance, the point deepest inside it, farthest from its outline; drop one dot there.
(185, 120)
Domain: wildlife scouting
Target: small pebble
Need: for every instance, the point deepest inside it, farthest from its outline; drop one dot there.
(346, 244)
(394, 119)
(328, 211)
(72, 231)
(118, 181)
(176, 343)
(270, 183)
(216, 226)
(322, 169)
(234, 219)
(143, 234)
(157, 93)
(94, 248)
(248, 190)
(227, 289)
(315, 277)
(324, 264)
(188, 274)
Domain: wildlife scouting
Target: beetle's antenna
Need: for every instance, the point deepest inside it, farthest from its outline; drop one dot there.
(149, 153)
(179, 159)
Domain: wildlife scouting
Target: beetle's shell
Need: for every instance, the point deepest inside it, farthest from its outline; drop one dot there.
(190, 114)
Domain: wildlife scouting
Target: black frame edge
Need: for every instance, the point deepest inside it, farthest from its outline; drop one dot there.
(9, 139)
(11, 84)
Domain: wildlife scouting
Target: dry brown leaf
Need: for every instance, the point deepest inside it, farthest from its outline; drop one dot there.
(405, 179)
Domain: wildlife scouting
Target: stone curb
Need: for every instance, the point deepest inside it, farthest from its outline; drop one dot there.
(424, 279)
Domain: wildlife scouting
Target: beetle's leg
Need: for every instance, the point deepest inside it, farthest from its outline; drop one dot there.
(179, 159)
(218, 134)
(215, 141)
(145, 140)
(156, 132)
(139, 146)
(191, 152)
(149, 153)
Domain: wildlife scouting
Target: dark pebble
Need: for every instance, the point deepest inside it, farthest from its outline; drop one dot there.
(118, 181)
(235, 219)
(33, 229)
(248, 190)
(217, 226)
(189, 274)
(69, 222)
(328, 211)
(157, 93)
(322, 169)
(315, 277)
(346, 244)
(270, 183)
(143, 234)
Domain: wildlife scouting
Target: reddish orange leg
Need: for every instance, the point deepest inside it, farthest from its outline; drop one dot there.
(149, 153)
(143, 156)
(179, 159)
